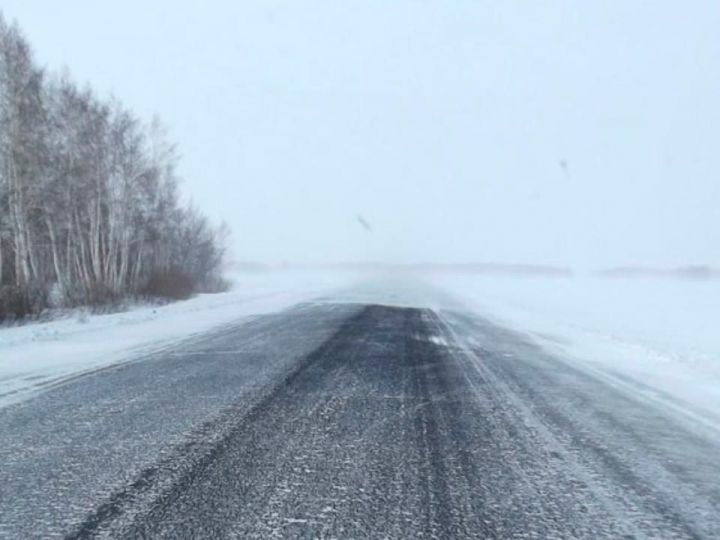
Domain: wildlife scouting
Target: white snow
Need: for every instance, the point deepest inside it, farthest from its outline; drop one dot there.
(35, 356)
(659, 339)
(656, 338)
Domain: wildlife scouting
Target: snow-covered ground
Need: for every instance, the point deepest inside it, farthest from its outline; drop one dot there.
(659, 339)
(36, 356)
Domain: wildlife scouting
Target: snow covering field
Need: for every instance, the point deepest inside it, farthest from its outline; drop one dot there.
(659, 339)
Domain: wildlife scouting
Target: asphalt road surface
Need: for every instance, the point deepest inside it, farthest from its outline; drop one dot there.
(353, 421)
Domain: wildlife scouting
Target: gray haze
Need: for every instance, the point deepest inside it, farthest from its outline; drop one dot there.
(548, 131)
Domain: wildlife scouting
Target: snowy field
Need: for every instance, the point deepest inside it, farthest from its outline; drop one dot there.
(659, 339)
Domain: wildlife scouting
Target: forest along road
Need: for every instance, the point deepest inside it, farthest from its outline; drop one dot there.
(353, 421)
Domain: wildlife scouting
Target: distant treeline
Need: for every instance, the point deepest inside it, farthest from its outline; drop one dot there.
(89, 205)
(698, 272)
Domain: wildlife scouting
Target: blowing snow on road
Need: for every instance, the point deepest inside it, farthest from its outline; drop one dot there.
(351, 418)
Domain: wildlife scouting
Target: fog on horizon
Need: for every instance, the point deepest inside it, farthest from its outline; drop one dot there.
(550, 132)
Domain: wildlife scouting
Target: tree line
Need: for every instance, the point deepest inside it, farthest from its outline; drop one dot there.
(90, 211)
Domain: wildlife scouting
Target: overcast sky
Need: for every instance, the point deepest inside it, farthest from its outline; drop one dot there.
(578, 132)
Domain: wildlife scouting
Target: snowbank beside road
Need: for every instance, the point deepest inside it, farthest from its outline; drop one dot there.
(36, 356)
(657, 338)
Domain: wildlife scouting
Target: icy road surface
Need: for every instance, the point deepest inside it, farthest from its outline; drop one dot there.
(353, 420)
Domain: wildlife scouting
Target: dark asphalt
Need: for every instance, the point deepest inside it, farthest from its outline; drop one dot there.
(349, 421)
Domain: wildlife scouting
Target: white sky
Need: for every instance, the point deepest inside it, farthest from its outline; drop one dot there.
(442, 122)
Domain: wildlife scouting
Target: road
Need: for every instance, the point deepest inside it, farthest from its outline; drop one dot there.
(353, 421)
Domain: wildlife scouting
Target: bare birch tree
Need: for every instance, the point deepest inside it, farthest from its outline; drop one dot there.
(89, 205)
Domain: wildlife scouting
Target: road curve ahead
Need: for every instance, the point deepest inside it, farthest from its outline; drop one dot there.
(407, 423)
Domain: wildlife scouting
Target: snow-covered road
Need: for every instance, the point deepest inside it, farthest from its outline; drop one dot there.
(343, 417)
